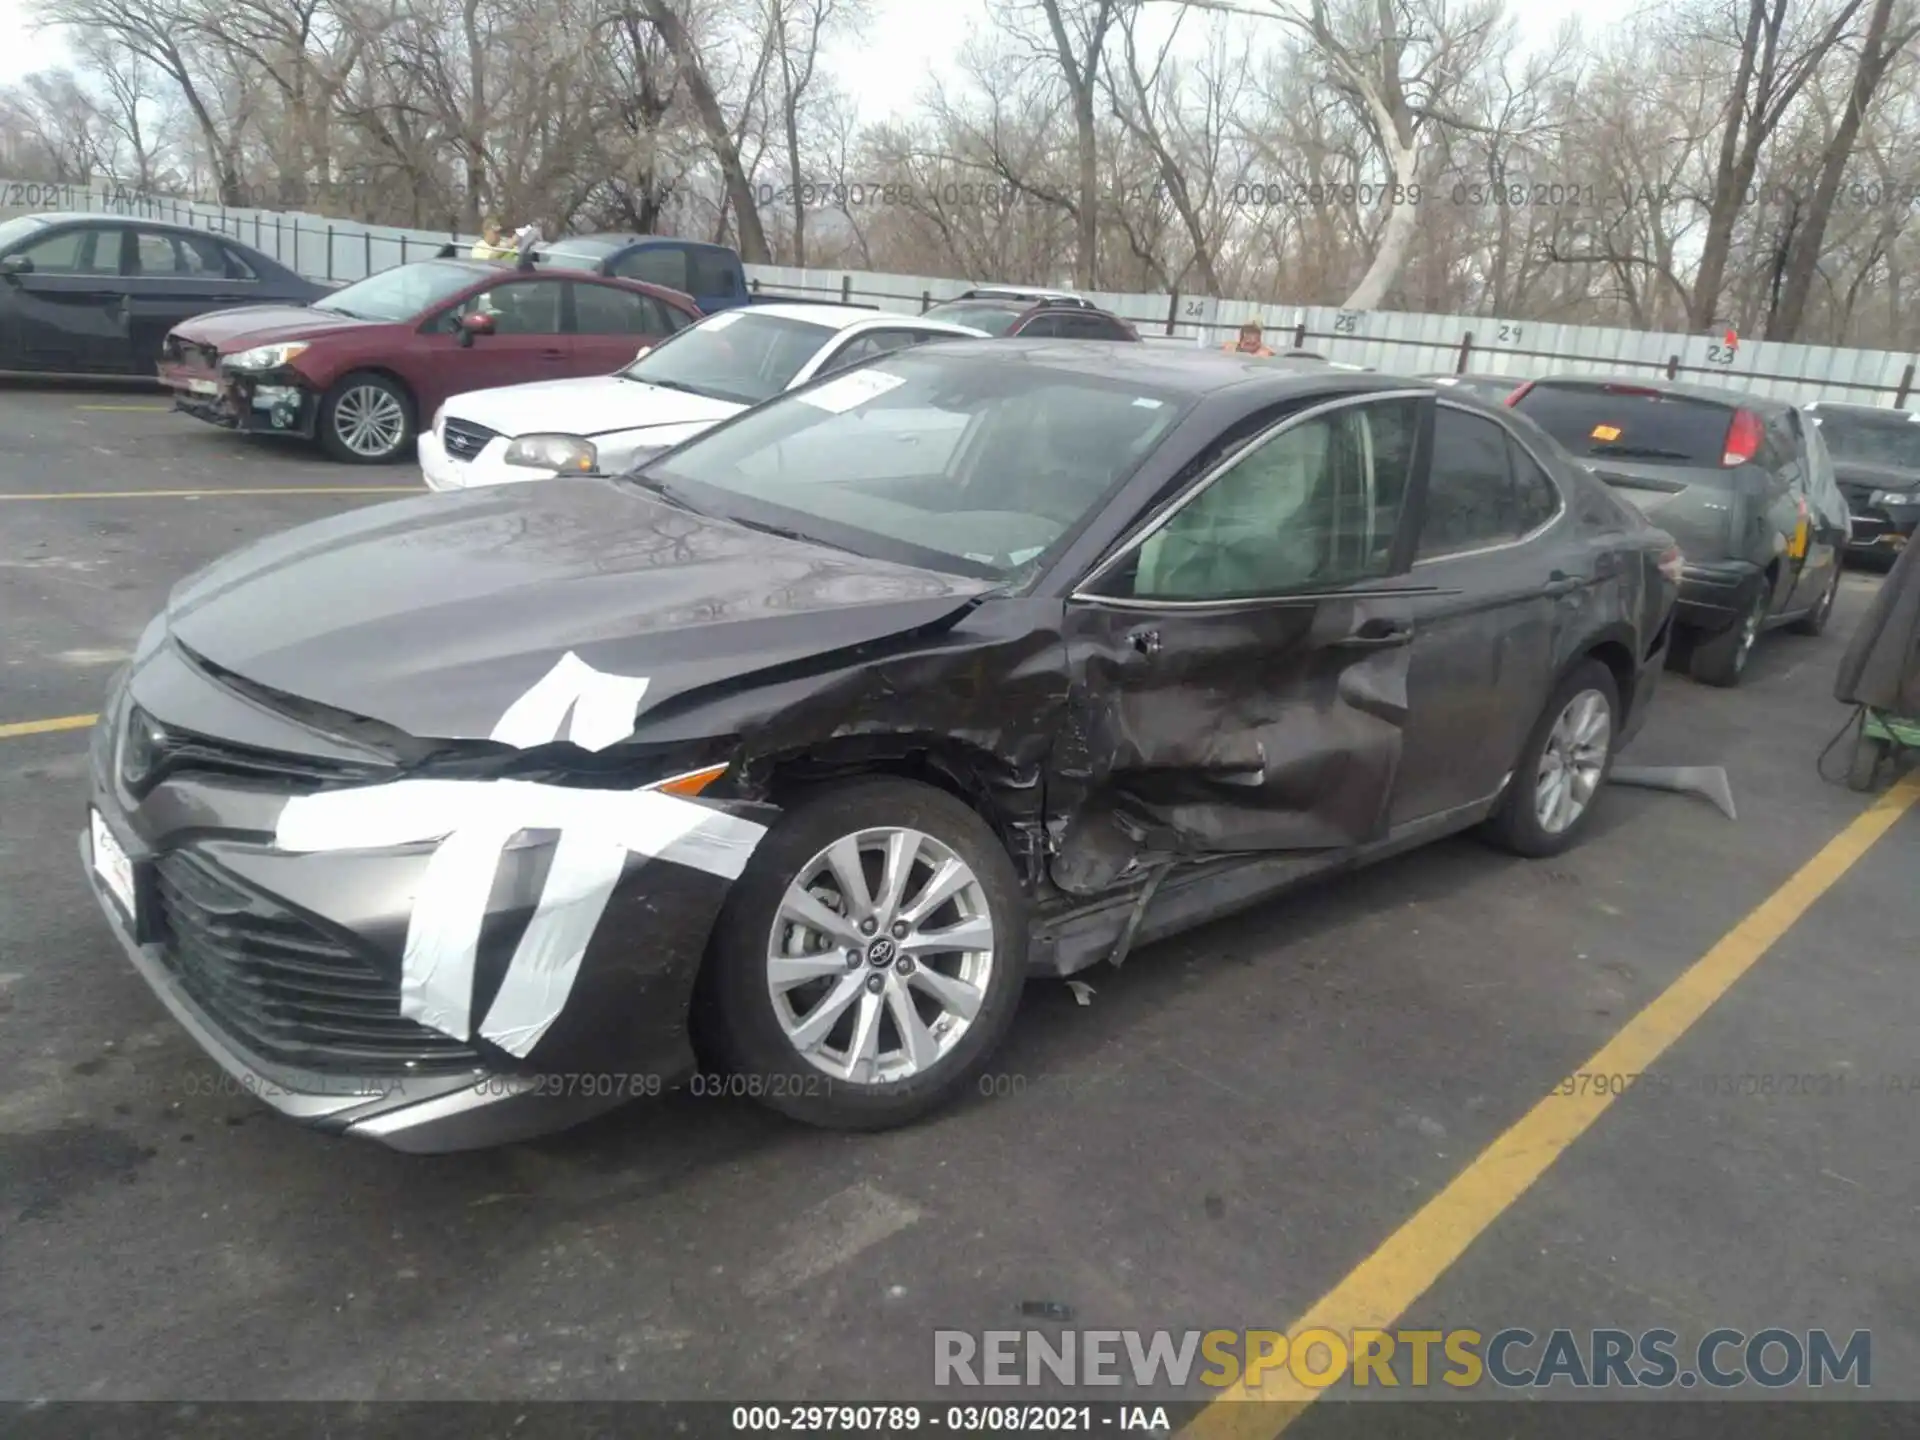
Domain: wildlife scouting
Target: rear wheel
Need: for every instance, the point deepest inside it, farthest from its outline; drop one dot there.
(1815, 620)
(366, 419)
(872, 956)
(1722, 659)
(1550, 800)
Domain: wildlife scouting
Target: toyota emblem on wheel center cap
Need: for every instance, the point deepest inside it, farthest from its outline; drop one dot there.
(880, 952)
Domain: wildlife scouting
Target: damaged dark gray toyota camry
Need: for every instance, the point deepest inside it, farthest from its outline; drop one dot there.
(452, 820)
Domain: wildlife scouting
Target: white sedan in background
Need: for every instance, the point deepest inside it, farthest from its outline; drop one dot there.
(694, 379)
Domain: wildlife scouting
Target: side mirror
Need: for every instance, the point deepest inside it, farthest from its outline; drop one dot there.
(641, 353)
(478, 323)
(16, 265)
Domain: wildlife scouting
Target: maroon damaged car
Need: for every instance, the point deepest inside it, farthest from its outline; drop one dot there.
(362, 369)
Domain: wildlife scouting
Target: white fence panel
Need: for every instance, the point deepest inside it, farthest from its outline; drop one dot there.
(324, 249)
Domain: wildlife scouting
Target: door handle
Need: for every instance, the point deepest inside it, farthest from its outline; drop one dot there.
(1561, 583)
(554, 354)
(1377, 635)
(1147, 642)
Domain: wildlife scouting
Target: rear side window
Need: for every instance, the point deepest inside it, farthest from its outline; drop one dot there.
(1043, 327)
(1482, 488)
(1092, 327)
(657, 265)
(1623, 422)
(710, 272)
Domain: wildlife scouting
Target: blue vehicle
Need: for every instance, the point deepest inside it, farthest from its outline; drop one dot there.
(711, 274)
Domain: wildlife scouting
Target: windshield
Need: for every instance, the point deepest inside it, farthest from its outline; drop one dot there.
(735, 355)
(18, 229)
(994, 319)
(967, 465)
(400, 293)
(1622, 422)
(1858, 440)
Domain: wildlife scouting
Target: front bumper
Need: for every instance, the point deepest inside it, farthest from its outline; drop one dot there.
(275, 403)
(1883, 530)
(286, 968)
(444, 471)
(1713, 597)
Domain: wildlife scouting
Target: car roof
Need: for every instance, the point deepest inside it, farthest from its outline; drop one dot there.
(1678, 389)
(1194, 372)
(841, 317)
(1863, 412)
(1019, 292)
(172, 227)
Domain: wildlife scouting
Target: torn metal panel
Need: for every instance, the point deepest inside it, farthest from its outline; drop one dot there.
(1709, 782)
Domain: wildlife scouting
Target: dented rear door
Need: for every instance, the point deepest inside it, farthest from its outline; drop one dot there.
(1239, 664)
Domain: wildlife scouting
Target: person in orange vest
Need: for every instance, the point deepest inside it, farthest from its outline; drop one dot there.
(1249, 342)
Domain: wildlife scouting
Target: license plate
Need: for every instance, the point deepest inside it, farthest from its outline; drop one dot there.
(111, 864)
(202, 387)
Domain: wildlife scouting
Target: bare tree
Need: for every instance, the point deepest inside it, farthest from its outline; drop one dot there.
(1883, 42)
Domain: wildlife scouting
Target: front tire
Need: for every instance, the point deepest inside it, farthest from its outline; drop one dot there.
(366, 419)
(1556, 782)
(871, 957)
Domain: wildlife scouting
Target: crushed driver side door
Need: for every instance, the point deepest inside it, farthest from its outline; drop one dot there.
(1239, 664)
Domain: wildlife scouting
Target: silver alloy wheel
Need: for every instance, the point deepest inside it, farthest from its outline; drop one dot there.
(370, 421)
(880, 955)
(1572, 762)
(1833, 594)
(1750, 632)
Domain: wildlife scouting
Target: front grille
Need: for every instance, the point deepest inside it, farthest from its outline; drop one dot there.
(283, 988)
(464, 439)
(151, 753)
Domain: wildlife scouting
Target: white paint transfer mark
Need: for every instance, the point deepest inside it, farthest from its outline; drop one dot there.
(830, 1234)
(93, 657)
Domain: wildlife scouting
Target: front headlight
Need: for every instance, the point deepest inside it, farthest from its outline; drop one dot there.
(1894, 497)
(568, 454)
(266, 357)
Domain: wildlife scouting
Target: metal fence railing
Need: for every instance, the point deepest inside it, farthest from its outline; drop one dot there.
(327, 249)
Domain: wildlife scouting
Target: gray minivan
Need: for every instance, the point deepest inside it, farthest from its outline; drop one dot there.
(1744, 484)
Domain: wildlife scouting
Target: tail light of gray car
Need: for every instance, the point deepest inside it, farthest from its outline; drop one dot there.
(1672, 564)
(1744, 435)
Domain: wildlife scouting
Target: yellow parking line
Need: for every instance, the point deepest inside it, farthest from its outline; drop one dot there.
(217, 490)
(46, 727)
(1387, 1283)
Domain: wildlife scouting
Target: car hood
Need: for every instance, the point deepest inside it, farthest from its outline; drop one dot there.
(435, 614)
(1878, 477)
(1696, 505)
(249, 325)
(599, 405)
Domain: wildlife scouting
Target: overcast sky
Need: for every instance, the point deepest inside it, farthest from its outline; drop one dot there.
(904, 43)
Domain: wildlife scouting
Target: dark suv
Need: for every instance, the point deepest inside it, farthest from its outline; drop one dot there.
(1876, 458)
(1743, 483)
(1007, 310)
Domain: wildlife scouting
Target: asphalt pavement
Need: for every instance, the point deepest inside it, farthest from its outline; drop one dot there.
(1225, 1129)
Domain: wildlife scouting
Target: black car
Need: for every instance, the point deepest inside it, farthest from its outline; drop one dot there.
(1014, 312)
(96, 294)
(1743, 483)
(452, 819)
(1876, 459)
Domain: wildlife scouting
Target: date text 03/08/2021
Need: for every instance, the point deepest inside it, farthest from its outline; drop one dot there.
(1004, 1419)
